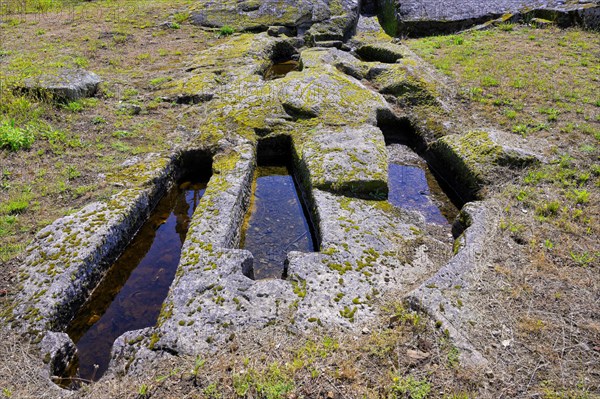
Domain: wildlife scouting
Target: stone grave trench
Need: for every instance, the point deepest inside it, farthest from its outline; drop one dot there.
(338, 119)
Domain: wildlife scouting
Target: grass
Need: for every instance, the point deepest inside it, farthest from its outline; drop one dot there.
(226, 30)
(38, 138)
(545, 91)
(409, 387)
(181, 17)
(542, 85)
(522, 89)
(15, 207)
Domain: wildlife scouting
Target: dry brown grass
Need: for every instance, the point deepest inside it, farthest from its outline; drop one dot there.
(275, 363)
(542, 290)
(20, 374)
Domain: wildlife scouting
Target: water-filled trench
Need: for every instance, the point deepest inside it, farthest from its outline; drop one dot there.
(277, 223)
(413, 186)
(278, 220)
(131, 294)
(414, 183)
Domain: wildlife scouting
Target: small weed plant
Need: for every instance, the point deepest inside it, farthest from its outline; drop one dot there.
(181, 17)
(15, 138)
(226, 30)
(409, 387)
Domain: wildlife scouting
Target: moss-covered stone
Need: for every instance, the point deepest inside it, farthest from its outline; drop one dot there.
(340, 99)
(469, 159)
(198, 87)
(251, 15)
(62, 86)
(405, 81)
(343, 61)
(140, 174)
(333, 29)
(351, 161)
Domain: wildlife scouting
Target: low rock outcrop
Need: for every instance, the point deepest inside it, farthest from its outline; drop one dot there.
(425, 17)
(63, 86)
(475, 156)
(330, 110)
(325, 20)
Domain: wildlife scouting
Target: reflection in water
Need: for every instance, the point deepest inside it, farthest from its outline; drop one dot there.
(277, 223)
(131, 294)
(409, 188)
(281, 69)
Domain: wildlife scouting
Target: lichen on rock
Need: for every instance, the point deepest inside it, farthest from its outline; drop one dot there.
(350, 161)
(472, 157)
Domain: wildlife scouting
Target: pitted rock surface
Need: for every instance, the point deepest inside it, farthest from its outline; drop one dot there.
(348, 160)
(330, 23)
(69, 257)
(445, 294)
(368, 247)
(59, 351)
(454, 10)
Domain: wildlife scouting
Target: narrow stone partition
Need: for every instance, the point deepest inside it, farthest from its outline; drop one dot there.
(278, 220)
(130, 296)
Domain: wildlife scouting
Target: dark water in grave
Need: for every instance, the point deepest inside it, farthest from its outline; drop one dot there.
(415, 188)
(131, 295)
(281, 69)
(277, 222)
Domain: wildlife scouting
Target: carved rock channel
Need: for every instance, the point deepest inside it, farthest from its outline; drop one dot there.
(337, 112)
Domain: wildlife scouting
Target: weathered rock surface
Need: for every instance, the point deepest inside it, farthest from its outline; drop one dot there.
(225, 200)
(403, 155)
(423, 17)
(443, 296)
(212, 297)
(333, 18)
(340, 99)
(331, 22)
(58, 352)
(473, 157)
(65, 85)
(403, 81)
(68, 257)
(382, 52)
(342, 60)
(352, 161)
(367, 247)
(312, 103)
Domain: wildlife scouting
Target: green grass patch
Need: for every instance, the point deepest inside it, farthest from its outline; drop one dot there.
(15, 138)
(226, 31)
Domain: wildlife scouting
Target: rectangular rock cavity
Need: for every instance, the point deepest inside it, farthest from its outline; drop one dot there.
(278, 220)
(400, 133)
(130, 295)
